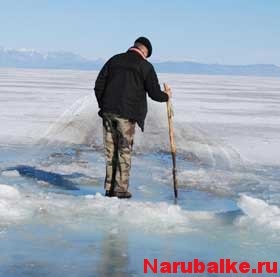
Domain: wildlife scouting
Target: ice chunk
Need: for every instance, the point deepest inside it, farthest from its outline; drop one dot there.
(11, 209)
(260, 212)
(8, 192)
(10, 173)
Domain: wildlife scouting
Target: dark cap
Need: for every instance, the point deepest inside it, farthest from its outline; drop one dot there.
(146, 43)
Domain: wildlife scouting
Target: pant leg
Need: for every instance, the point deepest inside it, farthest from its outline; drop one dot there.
(125, 132)
(111, 152)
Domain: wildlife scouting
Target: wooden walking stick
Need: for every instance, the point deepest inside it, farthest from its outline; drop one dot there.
(172, 140)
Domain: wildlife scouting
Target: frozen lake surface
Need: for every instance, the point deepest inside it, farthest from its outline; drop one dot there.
(54, 218)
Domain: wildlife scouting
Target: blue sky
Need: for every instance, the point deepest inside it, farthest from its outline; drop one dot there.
(211, 31)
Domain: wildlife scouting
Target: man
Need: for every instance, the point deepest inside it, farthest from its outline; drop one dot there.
(120, 90)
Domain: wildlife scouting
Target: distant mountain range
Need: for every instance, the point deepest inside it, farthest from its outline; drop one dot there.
(26, 58)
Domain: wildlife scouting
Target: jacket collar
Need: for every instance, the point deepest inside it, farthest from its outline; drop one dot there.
(138, 51)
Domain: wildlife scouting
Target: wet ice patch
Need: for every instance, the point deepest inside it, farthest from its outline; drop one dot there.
(226, 182)
(259, 212)
(217, 181)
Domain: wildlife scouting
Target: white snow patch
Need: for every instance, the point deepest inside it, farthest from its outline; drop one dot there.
(218, 119)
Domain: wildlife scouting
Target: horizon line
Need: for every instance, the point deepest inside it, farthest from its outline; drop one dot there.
(157, 60)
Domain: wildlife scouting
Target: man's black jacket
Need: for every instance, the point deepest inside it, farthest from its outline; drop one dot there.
(122, 84)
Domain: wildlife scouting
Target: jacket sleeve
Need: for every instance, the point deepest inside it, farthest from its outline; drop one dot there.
(153, 88)
(100, 83)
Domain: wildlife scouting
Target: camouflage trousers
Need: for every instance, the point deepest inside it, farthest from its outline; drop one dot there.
(118, 134)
